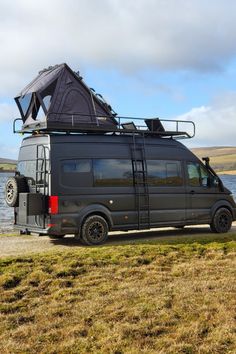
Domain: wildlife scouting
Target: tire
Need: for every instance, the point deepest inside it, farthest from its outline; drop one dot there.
(94, 230)
(221, 221)
(13, 187)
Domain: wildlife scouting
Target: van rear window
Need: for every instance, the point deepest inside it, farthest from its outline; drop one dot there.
(27, 169)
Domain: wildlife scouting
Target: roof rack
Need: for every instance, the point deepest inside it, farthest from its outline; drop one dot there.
(162, 128)
(58, 100)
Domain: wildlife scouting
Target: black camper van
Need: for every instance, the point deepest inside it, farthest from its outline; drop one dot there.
(83, 170)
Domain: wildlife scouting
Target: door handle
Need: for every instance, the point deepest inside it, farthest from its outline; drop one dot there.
(192, 192)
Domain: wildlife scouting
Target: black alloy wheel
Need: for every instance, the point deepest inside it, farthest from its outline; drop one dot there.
(221, 221)
(94, 230)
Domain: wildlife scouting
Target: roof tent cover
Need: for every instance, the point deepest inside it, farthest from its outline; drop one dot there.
(59, 99)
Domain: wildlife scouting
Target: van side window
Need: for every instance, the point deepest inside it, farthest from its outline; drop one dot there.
(204, 176)
(76, 166)
(164, 173)
(76, 173)
(197, 175)
(193, 174)
(112, 172)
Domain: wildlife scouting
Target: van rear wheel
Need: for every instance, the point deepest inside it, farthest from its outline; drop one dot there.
(94, 230)
(221, 221)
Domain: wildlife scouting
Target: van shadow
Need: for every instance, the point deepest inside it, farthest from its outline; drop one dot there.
(188, 235)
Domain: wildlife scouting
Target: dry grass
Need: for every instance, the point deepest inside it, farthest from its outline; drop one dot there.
(221, 158)
(214, 151)
(153, 296)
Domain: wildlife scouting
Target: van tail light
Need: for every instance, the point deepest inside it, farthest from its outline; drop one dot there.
(53, 204)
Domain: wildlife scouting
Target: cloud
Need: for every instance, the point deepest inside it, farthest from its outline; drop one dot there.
(9, 151)
(128, 35)
(216, 123)
(8, 111)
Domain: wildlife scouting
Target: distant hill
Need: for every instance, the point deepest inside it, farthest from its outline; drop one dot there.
(222, 158)
(8, 161)
(7, 164)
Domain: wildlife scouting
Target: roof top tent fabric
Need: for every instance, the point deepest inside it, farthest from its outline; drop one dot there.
(58, 99)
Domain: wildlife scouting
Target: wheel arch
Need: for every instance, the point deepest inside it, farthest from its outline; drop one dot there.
(221, 204)
(96, 209)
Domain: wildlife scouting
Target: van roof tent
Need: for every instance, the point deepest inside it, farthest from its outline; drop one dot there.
(58, 98)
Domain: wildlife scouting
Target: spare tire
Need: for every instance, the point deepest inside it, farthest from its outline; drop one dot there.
(13, 187)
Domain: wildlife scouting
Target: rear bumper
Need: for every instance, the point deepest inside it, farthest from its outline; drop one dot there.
(57, 226)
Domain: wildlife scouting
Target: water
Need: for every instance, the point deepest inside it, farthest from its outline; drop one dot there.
(6, 213)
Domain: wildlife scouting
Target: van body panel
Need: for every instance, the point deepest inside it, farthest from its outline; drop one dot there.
(95, 174)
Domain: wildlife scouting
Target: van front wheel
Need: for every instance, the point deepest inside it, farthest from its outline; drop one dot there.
(221, 221)
(94, 230)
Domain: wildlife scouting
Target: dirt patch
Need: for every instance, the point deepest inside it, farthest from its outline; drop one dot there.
(20, 245)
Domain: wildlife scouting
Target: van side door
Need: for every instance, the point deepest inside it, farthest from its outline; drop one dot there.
(201, 194)
(167, 192)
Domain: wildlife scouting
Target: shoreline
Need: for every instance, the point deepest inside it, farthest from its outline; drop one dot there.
(230, 172)
(9, 171)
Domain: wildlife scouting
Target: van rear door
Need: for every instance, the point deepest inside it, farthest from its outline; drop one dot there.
(33, 164)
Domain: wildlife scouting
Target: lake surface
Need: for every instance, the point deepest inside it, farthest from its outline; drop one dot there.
(6, 213)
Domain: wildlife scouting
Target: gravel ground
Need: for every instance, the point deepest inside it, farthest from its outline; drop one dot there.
(19, 245)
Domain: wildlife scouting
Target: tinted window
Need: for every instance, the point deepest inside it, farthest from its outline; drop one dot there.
(112, 172)
(77, 173)
(27, 169)
(76, 166)
(166, 173)
(193, 174)
(197, 175)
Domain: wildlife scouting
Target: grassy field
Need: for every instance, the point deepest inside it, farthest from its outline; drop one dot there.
(165, 295)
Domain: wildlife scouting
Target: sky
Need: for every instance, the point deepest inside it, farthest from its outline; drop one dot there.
(173, 59)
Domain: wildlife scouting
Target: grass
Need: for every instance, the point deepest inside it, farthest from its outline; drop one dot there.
(165, 295)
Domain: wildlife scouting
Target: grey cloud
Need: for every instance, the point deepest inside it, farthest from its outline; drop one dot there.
(129, 35)
(215, 123)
